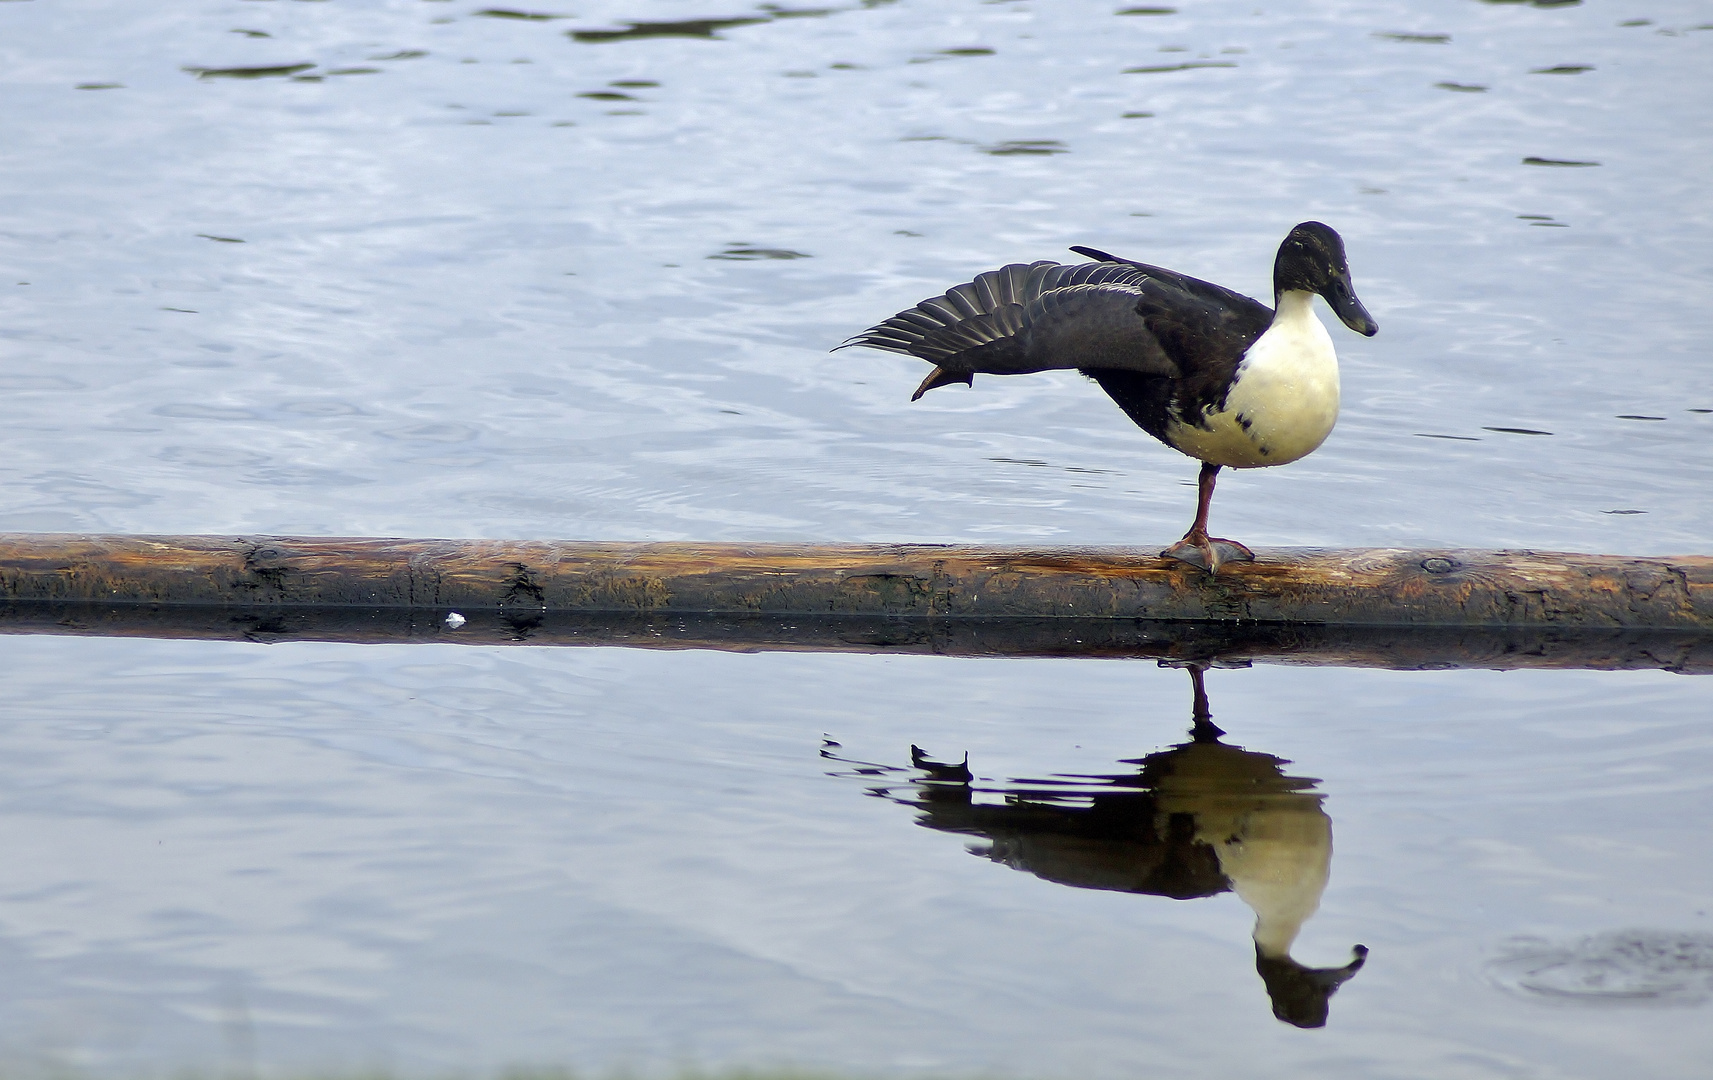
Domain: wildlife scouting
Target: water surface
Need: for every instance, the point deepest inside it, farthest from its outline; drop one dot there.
(576, 276)
(424, 268)
(439, 857)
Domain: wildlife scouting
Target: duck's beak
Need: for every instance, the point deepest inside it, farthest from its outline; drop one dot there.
(1341, 297)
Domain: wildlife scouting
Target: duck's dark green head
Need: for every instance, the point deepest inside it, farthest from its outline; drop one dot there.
(1312, 260)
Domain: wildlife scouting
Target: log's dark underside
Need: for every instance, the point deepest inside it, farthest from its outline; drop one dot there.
(1395, 608)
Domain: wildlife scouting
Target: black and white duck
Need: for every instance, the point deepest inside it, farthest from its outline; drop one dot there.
(1207, 371)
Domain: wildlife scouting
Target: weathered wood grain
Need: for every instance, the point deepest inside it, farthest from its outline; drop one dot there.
(1374, 587)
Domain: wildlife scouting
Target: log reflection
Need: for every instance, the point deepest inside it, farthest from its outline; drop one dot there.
(1198, 819)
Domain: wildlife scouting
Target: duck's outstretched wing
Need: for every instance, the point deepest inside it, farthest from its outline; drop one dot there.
(1028, 317)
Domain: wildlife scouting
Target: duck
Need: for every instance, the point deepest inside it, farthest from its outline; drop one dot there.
(1210, 372)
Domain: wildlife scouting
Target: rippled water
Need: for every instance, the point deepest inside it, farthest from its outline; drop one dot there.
(480, 294)
(423, 268)
(435, 857)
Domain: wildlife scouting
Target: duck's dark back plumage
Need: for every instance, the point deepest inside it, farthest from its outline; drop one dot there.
(1206, 290)
(1205, 328)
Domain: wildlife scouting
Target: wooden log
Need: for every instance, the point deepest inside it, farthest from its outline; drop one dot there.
(1222, 644)
(1305, 586)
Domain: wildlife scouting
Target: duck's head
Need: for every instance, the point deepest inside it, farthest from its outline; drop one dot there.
(1312, 260)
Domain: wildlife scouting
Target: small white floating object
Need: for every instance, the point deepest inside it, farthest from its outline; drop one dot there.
(455, 620)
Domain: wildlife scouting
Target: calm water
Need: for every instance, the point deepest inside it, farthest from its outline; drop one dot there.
(434, 858)
(408, 267)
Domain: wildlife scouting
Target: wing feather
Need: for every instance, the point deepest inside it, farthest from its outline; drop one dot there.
(1030, 317)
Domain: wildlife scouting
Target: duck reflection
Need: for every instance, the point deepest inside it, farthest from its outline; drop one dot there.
(1199, 819)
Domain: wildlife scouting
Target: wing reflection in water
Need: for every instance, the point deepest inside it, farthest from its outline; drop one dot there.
(1199, 819)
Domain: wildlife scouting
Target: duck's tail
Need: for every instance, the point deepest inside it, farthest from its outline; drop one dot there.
(942, 377)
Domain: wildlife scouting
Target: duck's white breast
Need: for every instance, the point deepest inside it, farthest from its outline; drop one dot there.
(1283, 402)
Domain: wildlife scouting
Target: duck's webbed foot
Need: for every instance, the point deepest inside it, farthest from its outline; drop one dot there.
(1208, 552)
